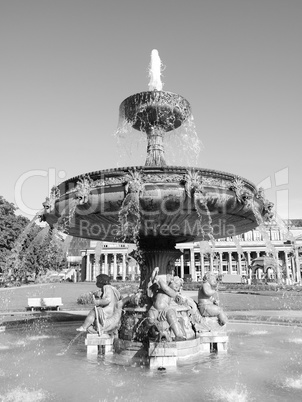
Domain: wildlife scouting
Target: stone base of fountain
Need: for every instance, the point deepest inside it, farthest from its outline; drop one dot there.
(170, 354)
(161, 354)
(99, 344)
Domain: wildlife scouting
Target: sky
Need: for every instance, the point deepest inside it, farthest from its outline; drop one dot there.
(66, 65)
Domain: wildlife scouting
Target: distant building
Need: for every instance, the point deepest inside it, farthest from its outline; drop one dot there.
(229, 258)
(233, 256)
(108, 258)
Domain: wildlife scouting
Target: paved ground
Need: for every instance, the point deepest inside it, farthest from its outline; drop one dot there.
(275, 307)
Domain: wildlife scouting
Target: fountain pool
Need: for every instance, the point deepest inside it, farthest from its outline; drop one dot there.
(38, 362)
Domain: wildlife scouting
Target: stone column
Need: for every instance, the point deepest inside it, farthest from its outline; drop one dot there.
(239, 264)
(220, 262)
(192, 264)
(297, 264)
(106, 263)
(230, 262)
(124, 267)
(114, 267)
(182, 266)
(249, 271)
(88, 267)
(211, 263)
(286, 267)
(202, 265)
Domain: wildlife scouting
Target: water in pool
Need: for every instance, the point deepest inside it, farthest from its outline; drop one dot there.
(48, 362)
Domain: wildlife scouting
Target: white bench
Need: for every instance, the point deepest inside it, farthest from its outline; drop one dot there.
(44, 303)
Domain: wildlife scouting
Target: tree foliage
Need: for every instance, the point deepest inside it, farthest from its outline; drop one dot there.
(11, 226)
(26, 248)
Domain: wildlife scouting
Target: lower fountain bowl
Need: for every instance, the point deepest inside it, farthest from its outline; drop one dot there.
(91, 205)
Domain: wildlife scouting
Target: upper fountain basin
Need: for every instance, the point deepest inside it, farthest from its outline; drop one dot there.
(155, 109)
(175, 204)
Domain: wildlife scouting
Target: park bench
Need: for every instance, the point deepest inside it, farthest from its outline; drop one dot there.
(44, 303)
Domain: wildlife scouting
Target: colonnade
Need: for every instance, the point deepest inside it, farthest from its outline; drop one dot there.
(227, 258)
(194, 264)
(113, 260)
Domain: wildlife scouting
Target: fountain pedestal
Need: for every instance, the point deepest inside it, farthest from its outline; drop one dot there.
(99, 344)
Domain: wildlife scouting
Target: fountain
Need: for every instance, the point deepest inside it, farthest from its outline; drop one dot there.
(156, 206)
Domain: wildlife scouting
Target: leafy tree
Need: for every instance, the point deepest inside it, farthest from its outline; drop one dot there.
(42, 251)
(26, 248)
(11, 226)
(53, 256)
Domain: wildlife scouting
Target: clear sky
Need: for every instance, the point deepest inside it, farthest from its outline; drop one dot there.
(66, 65)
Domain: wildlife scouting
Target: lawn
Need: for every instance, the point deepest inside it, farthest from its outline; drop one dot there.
(15, 299)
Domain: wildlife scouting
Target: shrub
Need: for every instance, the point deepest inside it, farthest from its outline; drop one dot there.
(86, 298)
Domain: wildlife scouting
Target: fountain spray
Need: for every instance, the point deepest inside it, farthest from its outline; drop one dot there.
(155, 70)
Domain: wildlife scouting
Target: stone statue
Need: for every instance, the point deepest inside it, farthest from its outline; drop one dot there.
(162, 315)
(208, 305)
(106, 315)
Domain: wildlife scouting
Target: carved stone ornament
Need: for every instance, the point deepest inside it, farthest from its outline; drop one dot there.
(242, 194)
(49, 202)
(260, 194)
(193, 182)
(83, 188)
(134, 182)
(268, 213)
(162, 178)
(214, 182)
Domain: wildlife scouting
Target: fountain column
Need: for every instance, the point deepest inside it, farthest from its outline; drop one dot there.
(152, 258)
(155, 148)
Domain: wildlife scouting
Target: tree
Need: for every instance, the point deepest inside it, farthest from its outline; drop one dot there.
(25, 247)
(11, 226)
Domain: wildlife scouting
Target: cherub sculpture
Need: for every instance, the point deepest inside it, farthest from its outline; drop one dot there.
(162, 315)
(208, 304)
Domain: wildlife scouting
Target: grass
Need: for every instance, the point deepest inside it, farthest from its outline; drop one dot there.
(15, 299)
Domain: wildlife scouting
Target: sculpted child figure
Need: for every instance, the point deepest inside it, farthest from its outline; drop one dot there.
(164, 289)
(208, 305)
(106, 315)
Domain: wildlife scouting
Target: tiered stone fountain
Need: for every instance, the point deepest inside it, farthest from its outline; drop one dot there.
(155, 206)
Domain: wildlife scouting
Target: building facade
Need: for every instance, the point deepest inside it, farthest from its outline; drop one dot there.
(228, 258)
(112, 259)
(232, 256)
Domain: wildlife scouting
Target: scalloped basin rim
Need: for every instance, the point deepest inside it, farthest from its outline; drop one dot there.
(156, 169)
(166, 210)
